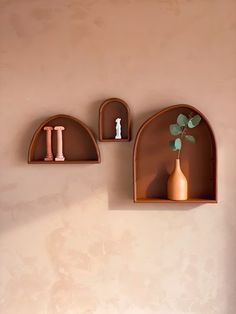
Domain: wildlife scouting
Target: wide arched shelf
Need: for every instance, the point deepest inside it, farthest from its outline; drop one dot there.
(153, 160)
(79, 144)
(111, 109)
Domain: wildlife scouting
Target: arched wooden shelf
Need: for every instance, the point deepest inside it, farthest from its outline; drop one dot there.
(111, 109)
(153, 160)
(79, 144)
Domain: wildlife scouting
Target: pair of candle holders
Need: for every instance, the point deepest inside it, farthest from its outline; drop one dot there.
(49, 154)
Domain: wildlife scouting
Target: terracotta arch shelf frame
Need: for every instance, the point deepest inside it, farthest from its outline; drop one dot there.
(79, 144)
(153, 160)
(111, 109)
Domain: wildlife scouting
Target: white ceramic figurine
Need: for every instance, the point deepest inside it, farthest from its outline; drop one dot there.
(118, 129)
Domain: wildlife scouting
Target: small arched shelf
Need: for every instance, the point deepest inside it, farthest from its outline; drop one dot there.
(79, 144)
(153, 160)
(109, 111)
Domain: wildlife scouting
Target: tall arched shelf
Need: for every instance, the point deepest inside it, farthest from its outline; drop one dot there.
(79, 144)
(111, 109)
(153, 160)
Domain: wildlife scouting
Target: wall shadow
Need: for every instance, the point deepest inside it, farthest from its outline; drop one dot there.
(155, 189)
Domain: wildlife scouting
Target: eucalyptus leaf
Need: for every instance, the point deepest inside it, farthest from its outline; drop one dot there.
(172, 145)
(194, 121)
(190, 138)
(178, 144)
(182, 120)
(175, 129)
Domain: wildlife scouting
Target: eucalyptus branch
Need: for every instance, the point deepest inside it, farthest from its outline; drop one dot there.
(181, 136)
(183, 123)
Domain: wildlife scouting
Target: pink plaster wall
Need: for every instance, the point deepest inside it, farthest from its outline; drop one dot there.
(72, 241)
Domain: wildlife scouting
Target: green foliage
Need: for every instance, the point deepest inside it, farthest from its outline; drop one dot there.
(190, 138)
(175, 129)
(175, 144)
(194, 121)
(172, 145)
(180, 128)
(178, 143)
(182, 120)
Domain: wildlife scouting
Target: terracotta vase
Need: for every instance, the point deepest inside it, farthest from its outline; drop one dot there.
(177, 186)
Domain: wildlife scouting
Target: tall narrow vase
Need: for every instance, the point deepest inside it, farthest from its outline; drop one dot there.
(177, 186)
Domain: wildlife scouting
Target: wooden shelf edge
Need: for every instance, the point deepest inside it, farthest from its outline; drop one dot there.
(65, 162)
(160, 200)
(114, 140)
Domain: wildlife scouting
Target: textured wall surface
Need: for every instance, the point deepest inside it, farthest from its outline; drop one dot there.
(72, 241)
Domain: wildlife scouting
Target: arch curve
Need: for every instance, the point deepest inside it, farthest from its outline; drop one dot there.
(153, 160)
(79, 144)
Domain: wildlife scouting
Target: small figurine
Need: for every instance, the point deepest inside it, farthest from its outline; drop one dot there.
(59, 156)
(49, 155)
(118, 129)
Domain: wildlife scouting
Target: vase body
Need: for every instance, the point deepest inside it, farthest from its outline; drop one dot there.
(177, 186)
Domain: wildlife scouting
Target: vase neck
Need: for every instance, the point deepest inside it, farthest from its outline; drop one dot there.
(177, 163)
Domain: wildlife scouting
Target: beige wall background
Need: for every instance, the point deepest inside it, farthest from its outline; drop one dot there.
(72, 241)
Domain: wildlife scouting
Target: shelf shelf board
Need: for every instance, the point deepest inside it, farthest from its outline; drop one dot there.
(162, 200)
(64, 162)
(114, 140)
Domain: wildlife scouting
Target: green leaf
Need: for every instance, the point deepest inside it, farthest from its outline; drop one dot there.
(190, 138)
(172, 145)
(194, 121)
(175, 129)
(175, 144)
(182, 120)
(178, 144)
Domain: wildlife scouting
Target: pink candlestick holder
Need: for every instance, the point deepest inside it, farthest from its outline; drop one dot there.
(59, 130)
(49, 155)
